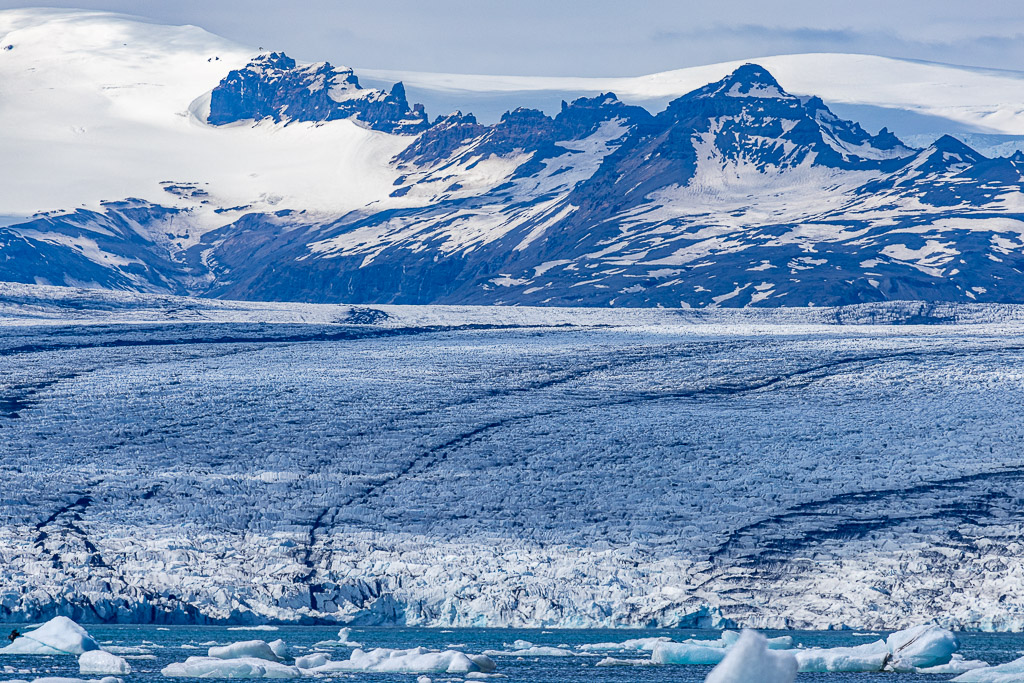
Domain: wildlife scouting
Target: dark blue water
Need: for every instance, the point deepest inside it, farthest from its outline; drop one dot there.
(165, 645)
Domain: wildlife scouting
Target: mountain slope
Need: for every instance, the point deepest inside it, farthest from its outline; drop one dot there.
(232, 174)
(913, 98)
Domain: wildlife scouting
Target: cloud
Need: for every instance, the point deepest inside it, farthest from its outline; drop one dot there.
(761, 33)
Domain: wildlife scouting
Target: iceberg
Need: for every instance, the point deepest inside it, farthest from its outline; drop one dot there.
(646, 644)
(686, 653)
(255, 649)
(414, 660)
(58, 636)
(342, 641)
(280, 649)
(750, 659)
(101, 662)
(858, 658)
(956, 665)
(909, 650)
(532, 651)
(312, 660)
(612, 661)
(240, 667)
(1011, 672)
(921, 646)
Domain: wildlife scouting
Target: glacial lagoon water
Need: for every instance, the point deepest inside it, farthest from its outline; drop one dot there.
(159, 646)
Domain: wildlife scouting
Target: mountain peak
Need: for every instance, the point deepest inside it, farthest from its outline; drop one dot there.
(750, 80)
(272, 85)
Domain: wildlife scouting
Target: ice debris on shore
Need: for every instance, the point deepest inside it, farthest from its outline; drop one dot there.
(102, 662)
(58, 636)
(751, 659)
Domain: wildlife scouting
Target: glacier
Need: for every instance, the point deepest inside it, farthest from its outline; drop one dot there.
(175, 460)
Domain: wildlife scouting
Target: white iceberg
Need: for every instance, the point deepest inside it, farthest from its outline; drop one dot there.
(342, 641)
(414, 660)
(956, 665)
(532, 651)
(687, 654)
(645, 644)
(910, 650)
(241, 667)
(312, 660)
(1011, 672)
(859, 658)
(101, 662)
(921, 647)
(58, 636)
(750, 659)
(256, 649)
(281, 649)
(730, 638)
(612, 661)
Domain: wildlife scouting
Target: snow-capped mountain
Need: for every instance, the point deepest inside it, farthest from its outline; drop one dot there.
(256, 177)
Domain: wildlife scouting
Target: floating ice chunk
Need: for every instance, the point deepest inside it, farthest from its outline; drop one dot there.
(261, 627)
(100, 662)
(686, 653)
(241, 667)
(342, 641)
(1011, 672)
(729, 638)
(859, 658)
(645, 644)
(520, 645)
(58, 636)
(280, 648)
(921, 647)
(480, 675)
(256, 649)
(312, 660)
(612, 661)
(424, 679)
(415, 660)
(532, 651)
(957, 665)
(750, 659)
(127, 649)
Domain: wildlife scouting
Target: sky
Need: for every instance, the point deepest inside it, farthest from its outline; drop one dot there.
(595, 37)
